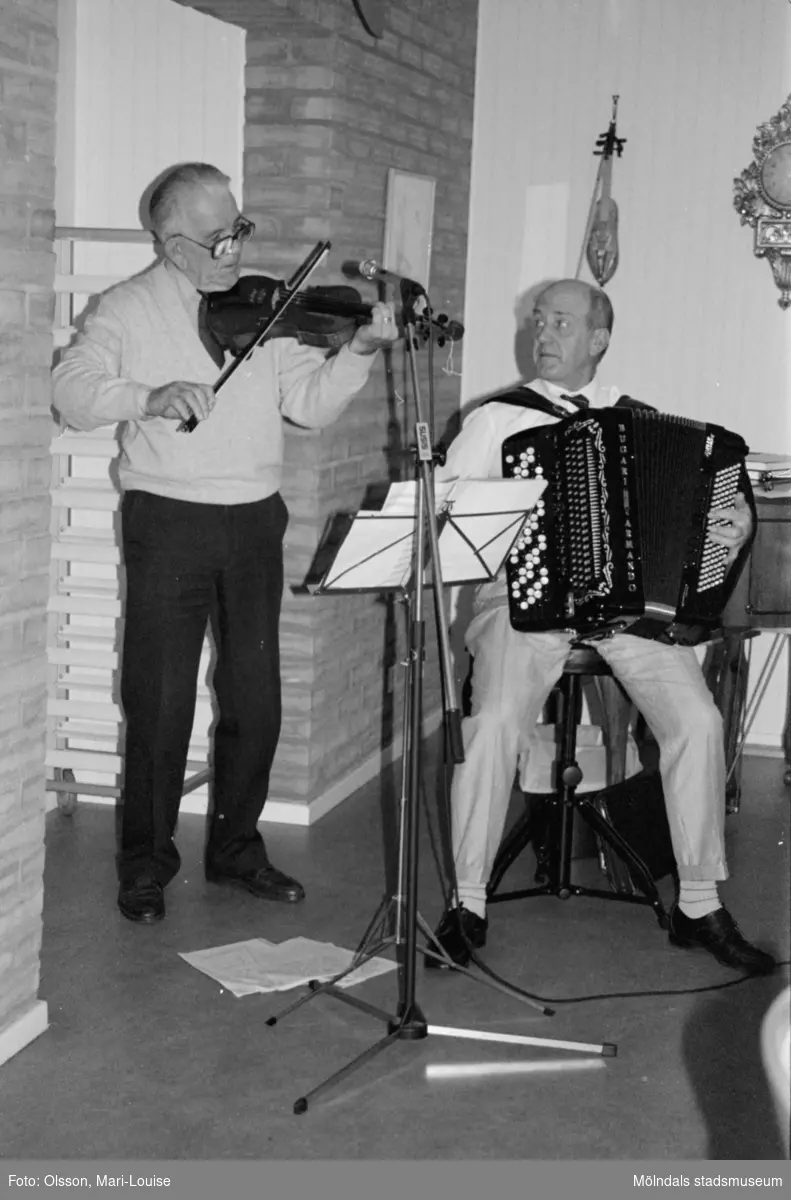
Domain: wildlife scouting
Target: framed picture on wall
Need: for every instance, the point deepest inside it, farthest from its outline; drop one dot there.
(409, 224)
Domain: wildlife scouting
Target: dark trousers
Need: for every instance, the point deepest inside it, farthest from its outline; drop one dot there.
(187, 564)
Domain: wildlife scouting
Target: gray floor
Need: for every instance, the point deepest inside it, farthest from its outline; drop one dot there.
(148, 1058)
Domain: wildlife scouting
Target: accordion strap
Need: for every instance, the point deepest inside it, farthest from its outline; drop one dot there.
(525, 397)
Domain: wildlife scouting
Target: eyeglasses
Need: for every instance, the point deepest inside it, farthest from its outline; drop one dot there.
(242, 231)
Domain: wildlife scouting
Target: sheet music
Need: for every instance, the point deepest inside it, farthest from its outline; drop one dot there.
(480, 519)
(260, 966)
(376, 554)
(402, 497)
(485, 518)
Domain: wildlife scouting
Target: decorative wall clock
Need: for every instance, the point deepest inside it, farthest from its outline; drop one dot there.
(762, 197)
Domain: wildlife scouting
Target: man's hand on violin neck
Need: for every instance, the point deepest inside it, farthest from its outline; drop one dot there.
(381, 332)
(179, 401)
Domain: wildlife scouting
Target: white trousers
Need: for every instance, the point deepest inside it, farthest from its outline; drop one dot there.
(513, 676)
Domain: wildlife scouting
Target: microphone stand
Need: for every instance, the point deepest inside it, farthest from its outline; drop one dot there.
(409, 1022)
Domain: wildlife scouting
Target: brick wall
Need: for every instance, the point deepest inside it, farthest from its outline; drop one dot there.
(329, 110)
(28, 62)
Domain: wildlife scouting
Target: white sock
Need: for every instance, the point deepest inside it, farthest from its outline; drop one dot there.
(698, 897)
(472, 899)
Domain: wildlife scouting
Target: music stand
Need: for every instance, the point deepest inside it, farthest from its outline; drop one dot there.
(389, 551)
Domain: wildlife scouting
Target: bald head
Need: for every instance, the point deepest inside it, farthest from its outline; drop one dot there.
(185, 187)
(600, 313)
(572, 322)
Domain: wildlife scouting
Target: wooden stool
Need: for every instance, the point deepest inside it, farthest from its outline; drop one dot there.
(550, 825)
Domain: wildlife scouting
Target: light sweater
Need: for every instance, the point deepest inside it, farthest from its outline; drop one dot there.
(143, 335)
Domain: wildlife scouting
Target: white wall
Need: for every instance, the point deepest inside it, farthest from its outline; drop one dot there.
(698, 330)
(143, 84)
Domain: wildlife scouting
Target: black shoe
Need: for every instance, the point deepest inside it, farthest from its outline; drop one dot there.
(266, 883)
(142, 900)
(457, 928)
(719, 934)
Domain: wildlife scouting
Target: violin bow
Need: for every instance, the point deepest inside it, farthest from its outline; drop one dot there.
(600, 242)
(289, 291)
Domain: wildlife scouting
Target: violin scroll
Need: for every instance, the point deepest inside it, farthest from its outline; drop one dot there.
(608, 143)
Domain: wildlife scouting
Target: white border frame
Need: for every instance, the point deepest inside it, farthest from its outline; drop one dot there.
(409, 224)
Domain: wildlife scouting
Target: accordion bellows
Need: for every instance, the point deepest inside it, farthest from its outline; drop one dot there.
(620, 532)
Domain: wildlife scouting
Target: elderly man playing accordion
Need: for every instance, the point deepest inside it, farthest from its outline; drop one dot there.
(514, 672)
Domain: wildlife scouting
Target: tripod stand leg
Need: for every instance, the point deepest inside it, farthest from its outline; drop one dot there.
(302, 1104)
(606, 1049)
(317, 988)
(377, 921)
(330, 989)
(434, 950)
(633, 861)
(364, 952)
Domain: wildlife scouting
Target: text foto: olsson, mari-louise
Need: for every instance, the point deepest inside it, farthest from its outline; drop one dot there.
(83, 1181)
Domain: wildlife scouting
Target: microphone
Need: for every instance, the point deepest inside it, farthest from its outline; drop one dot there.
(373, 271)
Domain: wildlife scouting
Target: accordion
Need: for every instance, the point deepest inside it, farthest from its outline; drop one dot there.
(618, 540)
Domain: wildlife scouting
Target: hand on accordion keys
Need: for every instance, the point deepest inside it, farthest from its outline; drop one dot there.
(731, 527)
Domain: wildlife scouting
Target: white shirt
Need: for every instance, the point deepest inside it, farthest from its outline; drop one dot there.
(476, 453)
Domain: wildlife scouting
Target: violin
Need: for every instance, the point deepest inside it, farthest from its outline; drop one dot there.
(257, 308)
(602, 242)
(324, 315)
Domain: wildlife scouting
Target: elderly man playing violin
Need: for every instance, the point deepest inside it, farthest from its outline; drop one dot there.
(202, 527)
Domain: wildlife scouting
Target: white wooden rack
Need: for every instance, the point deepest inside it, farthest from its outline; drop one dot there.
(85, 732)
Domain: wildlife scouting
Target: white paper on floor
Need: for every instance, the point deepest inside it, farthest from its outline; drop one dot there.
(261, 966)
